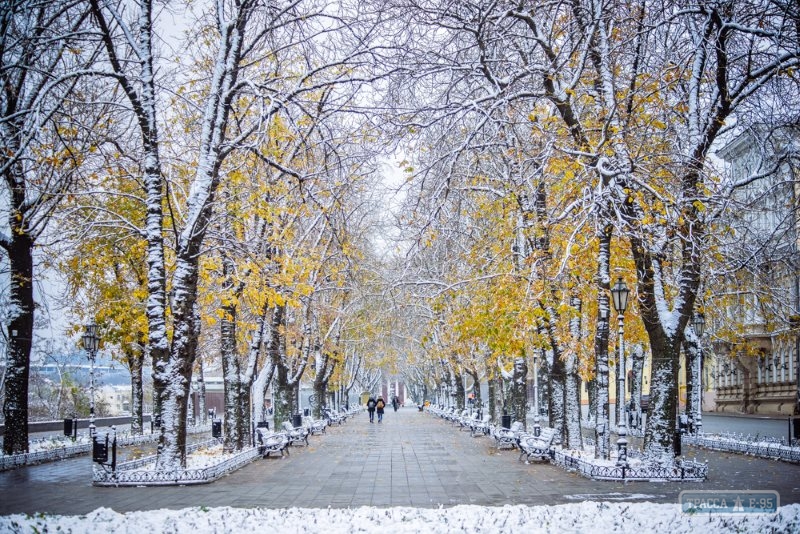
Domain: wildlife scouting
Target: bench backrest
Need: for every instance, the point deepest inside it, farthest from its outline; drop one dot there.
(547, 434)
(287, 425)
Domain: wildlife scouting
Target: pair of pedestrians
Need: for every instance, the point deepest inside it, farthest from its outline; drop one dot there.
(373, 406)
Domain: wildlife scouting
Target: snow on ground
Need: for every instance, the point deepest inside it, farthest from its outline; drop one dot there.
(202, 458)
(582, 517)
(56, 442)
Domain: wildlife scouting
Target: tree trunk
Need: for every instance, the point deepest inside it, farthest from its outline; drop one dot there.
(747, 387)
(602, 418)
(20, 330)
(476, 388)
(458, 383)
(231, 380)
(244, 414)
(572, 408)
(265, 376)
(555, 401)
(660, 431)
(492, 393)
(691, 353)
(176, 375)
(320, 388)
(135, 359)
(321, 394)
(285, 397)
(591, 394)
(519, 392)
(202, 400)
(619, 372)
(637, 358)
(260, 386)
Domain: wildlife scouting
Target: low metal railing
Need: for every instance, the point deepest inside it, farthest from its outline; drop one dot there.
(764, 447)
(52, 455)
(131, 474)
(683, 470)
(69, 449)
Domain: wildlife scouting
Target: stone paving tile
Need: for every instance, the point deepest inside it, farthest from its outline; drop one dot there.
(410, 459)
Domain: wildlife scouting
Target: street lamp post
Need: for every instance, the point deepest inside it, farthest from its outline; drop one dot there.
(91, 342)
(537, 429)
(699, 326)
(619, 295)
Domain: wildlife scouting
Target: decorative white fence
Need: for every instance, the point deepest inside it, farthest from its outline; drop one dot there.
(140, 472)
(753, 446)
(70, 449)
(682, 470)
(52, 455)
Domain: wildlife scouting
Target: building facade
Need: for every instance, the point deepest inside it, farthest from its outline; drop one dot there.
(755, 364)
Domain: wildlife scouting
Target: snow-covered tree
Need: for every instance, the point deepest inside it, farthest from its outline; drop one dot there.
(42, 55)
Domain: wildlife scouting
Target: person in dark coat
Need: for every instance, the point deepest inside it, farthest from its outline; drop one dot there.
(379, 406)
(371, 408)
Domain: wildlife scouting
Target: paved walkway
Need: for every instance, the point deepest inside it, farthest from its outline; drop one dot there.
(411, 459)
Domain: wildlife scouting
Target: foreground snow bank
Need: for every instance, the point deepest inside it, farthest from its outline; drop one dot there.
(580, 517)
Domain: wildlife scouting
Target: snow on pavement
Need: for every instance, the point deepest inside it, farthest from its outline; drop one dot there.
(589, 516)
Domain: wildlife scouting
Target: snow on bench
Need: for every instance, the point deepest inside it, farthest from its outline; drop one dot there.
(272, 442)
(507, 437)
(537, 446)
(296, 434)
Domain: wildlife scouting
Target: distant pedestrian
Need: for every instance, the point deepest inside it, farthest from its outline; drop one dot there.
(395, 402)
(371, 409)
(380, 405)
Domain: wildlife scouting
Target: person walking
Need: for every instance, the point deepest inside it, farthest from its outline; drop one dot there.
(380, 405)
(395, 402)
(371, 409)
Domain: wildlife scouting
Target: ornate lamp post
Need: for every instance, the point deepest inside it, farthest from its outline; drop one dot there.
(91, 342)
(619, 296)
(699, 326)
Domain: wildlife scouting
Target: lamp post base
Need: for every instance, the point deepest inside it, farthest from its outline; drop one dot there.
(622, 447)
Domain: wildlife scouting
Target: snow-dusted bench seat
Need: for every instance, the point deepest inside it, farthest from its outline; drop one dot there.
(482, 426)
(537, 446)
(334, 417)
(272, 442)
(296, 434)
(317, 426)
(507, 437)
(466, 421)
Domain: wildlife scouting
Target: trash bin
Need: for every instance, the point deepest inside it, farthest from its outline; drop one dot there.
(297, 420)
(306, 412)
(676, 443)
(263, 424)
(683, 423)
(505, 421)
(68, 427)
(100, 450)
(216, 429)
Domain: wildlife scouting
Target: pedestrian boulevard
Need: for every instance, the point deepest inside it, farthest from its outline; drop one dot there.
(410, 459)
